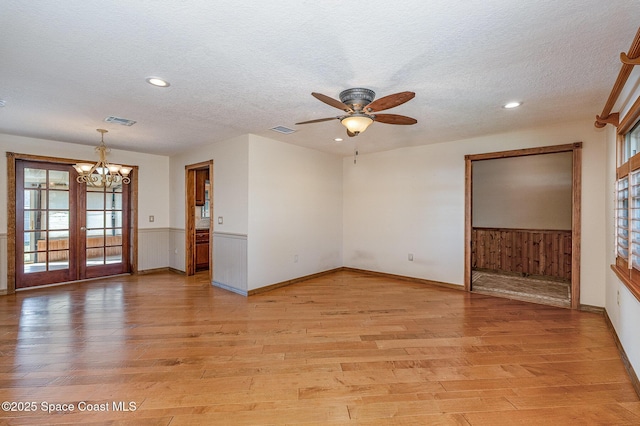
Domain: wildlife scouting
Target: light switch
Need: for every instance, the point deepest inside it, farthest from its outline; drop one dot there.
(219, 220)
(152, 218)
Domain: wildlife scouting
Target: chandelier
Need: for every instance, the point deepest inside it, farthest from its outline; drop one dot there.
(102, 174)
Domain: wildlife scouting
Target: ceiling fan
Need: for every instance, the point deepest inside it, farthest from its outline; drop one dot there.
(360, 108)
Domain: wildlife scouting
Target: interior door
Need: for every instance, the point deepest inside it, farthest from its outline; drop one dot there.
(45, 218)
(64, 230)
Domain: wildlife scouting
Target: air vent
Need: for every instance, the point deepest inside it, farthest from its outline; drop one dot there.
(119, 120)
(282, 129)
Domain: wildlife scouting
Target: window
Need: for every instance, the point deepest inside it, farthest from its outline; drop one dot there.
(622, 219)
(627, 221)
(631, 144)
(204, 210)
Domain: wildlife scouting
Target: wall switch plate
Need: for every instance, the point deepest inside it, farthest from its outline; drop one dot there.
(152, 218)
(410, 257)
(295, 259)
(219, 220)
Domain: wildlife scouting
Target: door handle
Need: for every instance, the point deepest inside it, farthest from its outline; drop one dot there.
(82, 228)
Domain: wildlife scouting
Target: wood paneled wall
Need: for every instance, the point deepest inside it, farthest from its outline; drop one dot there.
(526, 251)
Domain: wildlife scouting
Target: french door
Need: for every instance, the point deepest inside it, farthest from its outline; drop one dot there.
(66, 231)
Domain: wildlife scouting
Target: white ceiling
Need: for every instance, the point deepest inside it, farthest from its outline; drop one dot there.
(244, 67)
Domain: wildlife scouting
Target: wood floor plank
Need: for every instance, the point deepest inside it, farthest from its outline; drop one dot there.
(344, 348)
(600, 414)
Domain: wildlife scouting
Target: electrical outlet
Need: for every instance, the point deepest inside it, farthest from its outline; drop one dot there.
(410, 257)
(618, 297)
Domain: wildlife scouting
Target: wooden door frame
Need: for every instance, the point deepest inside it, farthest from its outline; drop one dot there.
(576, 200)
(190, 220)
(12, 157)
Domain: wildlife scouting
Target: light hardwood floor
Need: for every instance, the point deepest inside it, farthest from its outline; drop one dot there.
(345, 348)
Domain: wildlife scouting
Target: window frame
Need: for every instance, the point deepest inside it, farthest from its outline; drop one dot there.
(623, 267)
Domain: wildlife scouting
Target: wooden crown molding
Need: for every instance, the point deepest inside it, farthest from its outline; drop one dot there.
(629, 60)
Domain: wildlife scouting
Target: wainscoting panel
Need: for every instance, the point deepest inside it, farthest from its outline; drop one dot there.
(230, 262)
(3, 264)
(177, 249)
(153, 248)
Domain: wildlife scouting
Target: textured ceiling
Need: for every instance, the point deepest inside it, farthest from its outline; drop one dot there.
(244, 67)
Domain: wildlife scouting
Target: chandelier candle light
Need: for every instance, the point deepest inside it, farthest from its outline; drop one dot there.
(102, 174)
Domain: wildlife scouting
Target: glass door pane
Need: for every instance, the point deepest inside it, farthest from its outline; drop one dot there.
(46, 220)
(105, 221)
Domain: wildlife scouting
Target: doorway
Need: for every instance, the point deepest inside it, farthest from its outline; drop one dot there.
(198, 218)
(65, 231)
(529, 248)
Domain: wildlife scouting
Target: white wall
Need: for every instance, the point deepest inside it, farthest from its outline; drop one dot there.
(530, 192)
(230, 183)
(295, 209)
(411, 200)
(621, 305)
(153, 179)
(153, 173)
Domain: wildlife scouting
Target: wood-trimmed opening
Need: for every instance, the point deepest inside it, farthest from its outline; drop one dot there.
(190, 220)
(576, 149)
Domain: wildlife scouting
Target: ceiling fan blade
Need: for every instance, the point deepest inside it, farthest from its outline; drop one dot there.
(394, 119)
(319, 120)
(390, 101)
(330, 101)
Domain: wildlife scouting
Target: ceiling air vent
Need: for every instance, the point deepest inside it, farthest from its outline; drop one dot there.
(282, 129)
(119, 120)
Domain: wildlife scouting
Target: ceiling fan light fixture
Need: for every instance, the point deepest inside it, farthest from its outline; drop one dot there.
(359, 105)
(356, 123)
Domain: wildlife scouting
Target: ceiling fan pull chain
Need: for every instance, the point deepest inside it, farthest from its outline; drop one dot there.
(355, 155)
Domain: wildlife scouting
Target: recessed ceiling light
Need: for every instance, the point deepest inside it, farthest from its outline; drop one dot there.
(158, 82)
(338, 139)
(512, 105)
